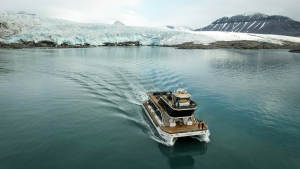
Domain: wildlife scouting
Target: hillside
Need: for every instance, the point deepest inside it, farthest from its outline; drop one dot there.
(257, 23)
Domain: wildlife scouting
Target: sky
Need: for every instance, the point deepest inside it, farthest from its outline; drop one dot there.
(191, 13)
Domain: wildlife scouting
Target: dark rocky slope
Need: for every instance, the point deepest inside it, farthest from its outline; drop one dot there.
(50, 44)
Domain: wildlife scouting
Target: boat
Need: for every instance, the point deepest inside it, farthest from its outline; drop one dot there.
(172, 115)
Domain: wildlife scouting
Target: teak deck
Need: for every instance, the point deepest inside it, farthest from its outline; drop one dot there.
(171, 130)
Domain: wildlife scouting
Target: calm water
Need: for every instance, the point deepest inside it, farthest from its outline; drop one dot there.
(81, 108)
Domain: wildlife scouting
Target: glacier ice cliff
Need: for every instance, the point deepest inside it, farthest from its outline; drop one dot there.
(17, 27)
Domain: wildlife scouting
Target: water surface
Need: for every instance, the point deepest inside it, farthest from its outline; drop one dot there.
(81, 108)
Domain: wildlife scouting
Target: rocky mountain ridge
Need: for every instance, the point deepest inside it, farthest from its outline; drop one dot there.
(256, 23)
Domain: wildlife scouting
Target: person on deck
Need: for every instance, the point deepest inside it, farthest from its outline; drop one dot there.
(177, 103)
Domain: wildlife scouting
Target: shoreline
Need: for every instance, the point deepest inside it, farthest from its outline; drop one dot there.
(242, 44)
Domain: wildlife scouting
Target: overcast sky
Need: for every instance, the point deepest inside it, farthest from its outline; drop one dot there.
(192, 13)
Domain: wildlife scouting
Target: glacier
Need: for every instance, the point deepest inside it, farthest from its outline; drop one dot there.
(29, 27)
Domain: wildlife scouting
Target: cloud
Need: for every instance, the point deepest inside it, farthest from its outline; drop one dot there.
(194, 13)
(78, 10)
(131, 17)
(203, 12)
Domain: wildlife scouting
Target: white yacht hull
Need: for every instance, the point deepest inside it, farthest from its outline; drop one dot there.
(170, 139)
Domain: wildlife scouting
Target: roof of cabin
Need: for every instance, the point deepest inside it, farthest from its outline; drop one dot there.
(182, 95)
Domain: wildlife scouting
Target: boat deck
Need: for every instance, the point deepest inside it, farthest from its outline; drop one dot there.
(182, 128)
(172, 130)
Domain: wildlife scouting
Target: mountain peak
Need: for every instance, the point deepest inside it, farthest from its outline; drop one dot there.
(256, 23)
(118, 23)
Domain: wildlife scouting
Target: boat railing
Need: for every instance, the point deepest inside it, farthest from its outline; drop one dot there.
(156, 109)
(165, 116)
(192, 104)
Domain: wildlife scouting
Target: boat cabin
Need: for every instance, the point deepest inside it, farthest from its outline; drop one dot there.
(181, 98)
(176, 104)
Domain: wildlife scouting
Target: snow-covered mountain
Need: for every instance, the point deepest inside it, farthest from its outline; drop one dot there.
(119, 23)
(20, 27)
(256, 23)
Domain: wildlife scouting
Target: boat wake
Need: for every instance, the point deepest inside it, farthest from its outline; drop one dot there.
(204, 138)
(161, 141)
(123, 92)
(152, 133)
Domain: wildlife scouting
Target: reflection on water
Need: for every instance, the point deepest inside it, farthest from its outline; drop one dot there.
(4, 71)
(264, 62)
(183, 154)
(3, 65)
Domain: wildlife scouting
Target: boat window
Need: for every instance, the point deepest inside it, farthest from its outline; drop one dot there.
(184, 100)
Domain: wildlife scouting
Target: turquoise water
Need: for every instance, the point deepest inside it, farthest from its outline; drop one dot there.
(81, 108)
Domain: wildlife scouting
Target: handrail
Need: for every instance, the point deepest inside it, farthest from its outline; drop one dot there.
(194, 106)
(159, 108)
